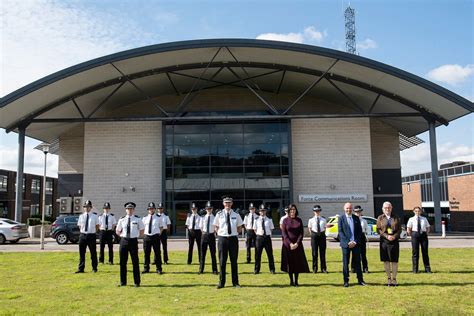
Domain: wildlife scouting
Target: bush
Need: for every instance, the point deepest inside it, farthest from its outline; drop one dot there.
(33, 221)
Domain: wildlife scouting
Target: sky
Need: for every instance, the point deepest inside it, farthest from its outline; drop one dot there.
(432, 39)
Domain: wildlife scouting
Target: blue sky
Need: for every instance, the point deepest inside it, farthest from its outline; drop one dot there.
(432, 39)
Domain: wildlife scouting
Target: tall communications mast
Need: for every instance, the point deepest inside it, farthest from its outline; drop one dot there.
(349, 16)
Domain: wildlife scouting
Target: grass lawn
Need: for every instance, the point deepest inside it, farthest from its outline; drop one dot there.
(44, 283)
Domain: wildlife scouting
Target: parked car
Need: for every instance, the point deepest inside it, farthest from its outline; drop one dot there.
(12, 231)
(333, 231)
(65, 229)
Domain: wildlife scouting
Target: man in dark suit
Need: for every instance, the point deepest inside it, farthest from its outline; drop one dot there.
(350, 238)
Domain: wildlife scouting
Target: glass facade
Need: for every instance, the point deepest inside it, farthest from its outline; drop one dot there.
(204, 162)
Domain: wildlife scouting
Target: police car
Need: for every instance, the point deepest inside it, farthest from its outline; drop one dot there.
(333, 231)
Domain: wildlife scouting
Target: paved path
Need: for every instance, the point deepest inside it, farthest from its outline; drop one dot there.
(33, 244)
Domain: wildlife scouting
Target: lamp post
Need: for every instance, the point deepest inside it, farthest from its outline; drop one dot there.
(45, 149)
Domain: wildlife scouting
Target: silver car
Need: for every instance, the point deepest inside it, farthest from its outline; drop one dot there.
(12, 231)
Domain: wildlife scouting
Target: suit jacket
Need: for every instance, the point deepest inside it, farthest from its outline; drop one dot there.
(345, 230)
(382, 225)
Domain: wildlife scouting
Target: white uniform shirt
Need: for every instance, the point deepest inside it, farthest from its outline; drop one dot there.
(204, 220)
(165, 220)
(91, 227)
(248, 220)
(313, 224)
(221, 222)
(268, 223)
(283, 218)
(136, 225)
(413, 223)
(365, 226)
(156, 224)
(197, 223)
(111, 221)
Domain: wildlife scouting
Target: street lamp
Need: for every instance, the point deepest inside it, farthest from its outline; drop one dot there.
(45, 149)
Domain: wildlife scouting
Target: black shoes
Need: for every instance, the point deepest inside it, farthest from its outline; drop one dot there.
(79, 271)
(159, 272)
(324, 271)
(111, 263)
(215, 272)
(346, 284)
(428, 270)
(137, 285)
(415, 271)
(256, 272)
(362, 283)
(237, 286)
(94, 270)
(122, 284)
(353, 270)
(219, 286)
(366, 270)
(272, 271)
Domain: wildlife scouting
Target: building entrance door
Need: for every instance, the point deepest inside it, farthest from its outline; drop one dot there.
(181, 210)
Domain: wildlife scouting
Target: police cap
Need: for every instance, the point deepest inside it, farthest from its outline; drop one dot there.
(317, 208)
(358, 208)
(130, 205)
(107, 205)
(151, 205)
(87, 203)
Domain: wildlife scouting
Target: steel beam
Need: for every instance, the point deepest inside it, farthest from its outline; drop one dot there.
(354, 104)
(434, 176)
(19, 174)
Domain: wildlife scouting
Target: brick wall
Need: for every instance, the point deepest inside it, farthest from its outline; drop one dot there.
(71, 151)
(121, 155)
(331, 151)
(385, 146)
(411, 198)
(461, 190)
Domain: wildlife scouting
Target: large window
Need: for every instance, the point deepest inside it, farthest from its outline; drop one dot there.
(247, 161)
(35, 186)
(3, 183)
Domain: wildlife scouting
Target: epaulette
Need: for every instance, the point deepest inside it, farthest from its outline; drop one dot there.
(94, 213)
(123, 216)
(219, 212)
(136, 216)
(112, 214)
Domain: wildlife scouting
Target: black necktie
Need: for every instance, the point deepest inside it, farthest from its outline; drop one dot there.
(229, 229)
(318, 229)
(106, 222)
(194, 221)
(252, 221)
(419, 225)
(208, 223)
(149, 224)
(263, 226)
(87, 223)
(128, 228)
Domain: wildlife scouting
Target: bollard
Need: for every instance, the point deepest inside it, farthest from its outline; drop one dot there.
(443, 229)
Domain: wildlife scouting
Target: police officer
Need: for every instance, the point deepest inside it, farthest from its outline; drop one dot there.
(418, 228)
(263, 227)
(208, 239)
(193, 224)
(228, 225)
(317, 231)
(129, 227)
(153, 225)
(286, 210)
(107, 224)
(363, 246)
(88, 224)
(165, 220)
(249, 221)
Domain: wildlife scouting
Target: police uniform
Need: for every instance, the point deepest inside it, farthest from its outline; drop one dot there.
(129, 228)
(263, 227)
(193, 223)
(419, 226)
(227, 223)
(107, 223)
(363, 244)
(165, 219)
(88, 223)
(317, 226)
(153, 225)
(251, 238)
(208, 240)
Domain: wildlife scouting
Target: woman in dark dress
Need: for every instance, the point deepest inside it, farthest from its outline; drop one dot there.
(293, 258)
(389, 228)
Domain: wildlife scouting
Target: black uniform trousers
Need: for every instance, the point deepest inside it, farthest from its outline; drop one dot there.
(318, 245)
(106, 237)
(363, 255)
(228, 247)
(87, 240)
(264, 242)
(129, 245)
(148, 243)
(418, 240)
(164, 244)
(194, 236)
(250, 242)
(346, 253)
(208, 240)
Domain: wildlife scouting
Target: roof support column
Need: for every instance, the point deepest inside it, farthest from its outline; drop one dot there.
(434, 175)
(19, 174)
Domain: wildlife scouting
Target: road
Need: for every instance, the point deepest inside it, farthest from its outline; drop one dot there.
(33, 245)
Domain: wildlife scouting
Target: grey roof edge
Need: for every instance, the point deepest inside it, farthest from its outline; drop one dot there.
(205, 43)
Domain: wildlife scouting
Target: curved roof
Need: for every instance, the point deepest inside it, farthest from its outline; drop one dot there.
(169, 76)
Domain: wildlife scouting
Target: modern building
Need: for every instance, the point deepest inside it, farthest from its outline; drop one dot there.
(32, 195)
(457, 194)
(261, 121)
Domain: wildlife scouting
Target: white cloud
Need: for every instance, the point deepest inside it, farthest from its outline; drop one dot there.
(417, 159)
(34, 161)
(451, 74)
(40, 37)
(308, 35)
(367, 44)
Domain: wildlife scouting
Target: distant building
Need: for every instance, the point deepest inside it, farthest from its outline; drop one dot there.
(32, 195)
(457, 194)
